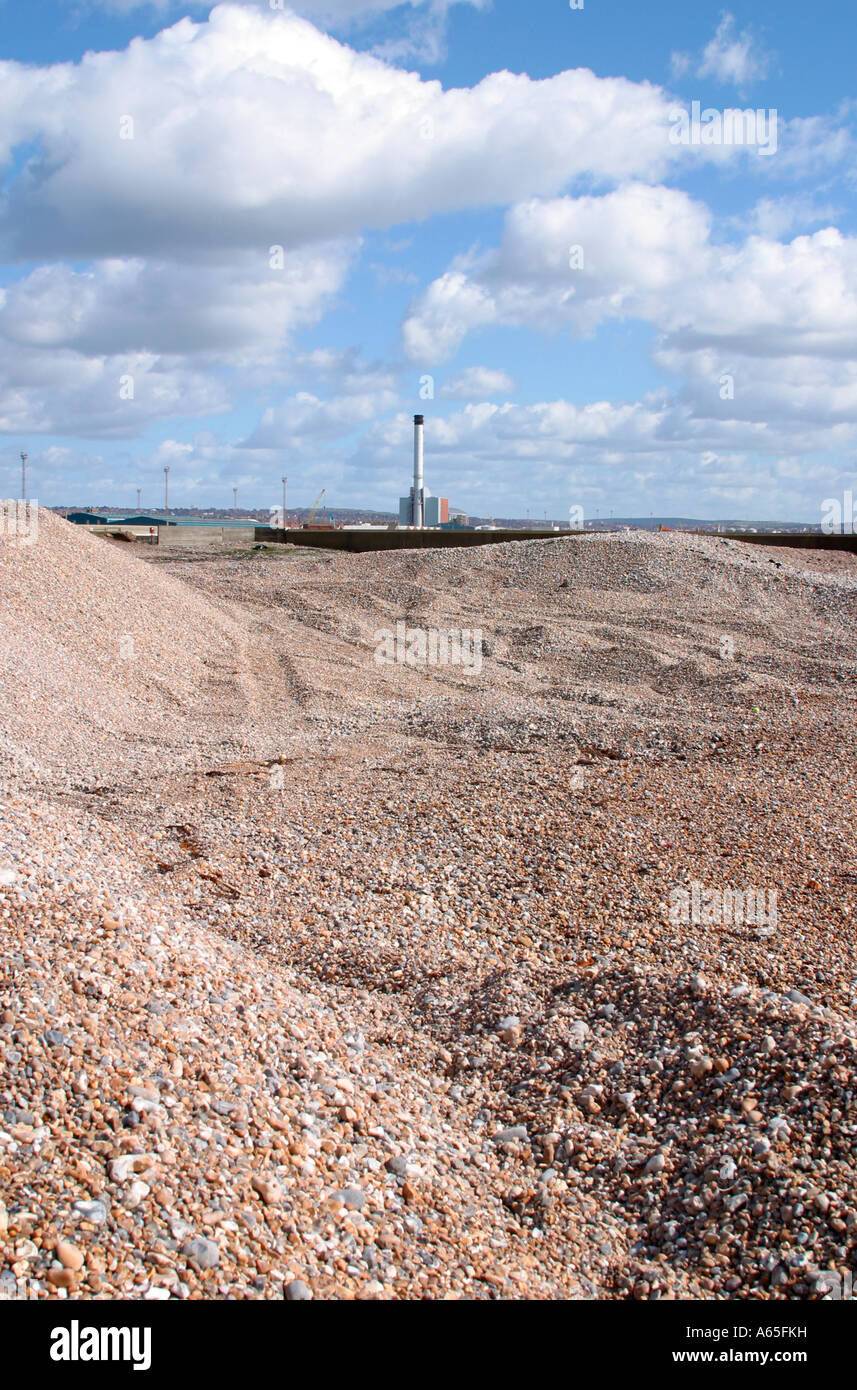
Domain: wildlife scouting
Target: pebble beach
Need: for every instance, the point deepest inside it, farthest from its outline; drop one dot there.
(325, 977)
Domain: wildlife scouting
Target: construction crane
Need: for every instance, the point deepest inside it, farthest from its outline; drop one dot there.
(315, 508)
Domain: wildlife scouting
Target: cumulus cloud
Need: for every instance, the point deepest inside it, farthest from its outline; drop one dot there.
(815, 397)
(111, 397)
(773, 299)
(647, 253)
(255, 128)
(452, 306)
(70, 338)
(628, 454)
(361, 398)
(759, 335)
(213, 309)
(494, 459)
(566, 263)
(157, 298)
(562, 430)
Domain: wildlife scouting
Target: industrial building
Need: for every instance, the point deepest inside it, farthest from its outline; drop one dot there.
(97, 519)
(419, 508)
(435, 510)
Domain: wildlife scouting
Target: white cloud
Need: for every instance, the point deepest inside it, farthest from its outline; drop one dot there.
(728, 57)
(305, 416)
(679, 64)
(774, 218)
(813, 146)
(628, 454)
(772, 299)
(760, 335)
(215, 309)
(69, 338)
(110, 397)
(475, 383)
(647, 253)
(791, 397)
(633, 244)
(660, 453)
(449, 309)
(254, 128)
(733, 58)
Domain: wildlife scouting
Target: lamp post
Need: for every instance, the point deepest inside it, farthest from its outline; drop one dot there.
(235, 503)
(24, 458)
(167, 490)
(285, 480)
(139, 494)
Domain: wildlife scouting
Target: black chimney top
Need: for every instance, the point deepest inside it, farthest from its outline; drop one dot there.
(418, 420)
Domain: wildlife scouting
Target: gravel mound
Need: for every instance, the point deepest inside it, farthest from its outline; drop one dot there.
(103, 656)
(329, 977)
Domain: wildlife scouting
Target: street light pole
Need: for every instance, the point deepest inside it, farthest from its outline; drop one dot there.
(167, 490)
(139, 493)
(24, 458)
(285, 480)
(235, 503)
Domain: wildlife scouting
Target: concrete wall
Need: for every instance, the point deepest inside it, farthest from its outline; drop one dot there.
(204, 537)
(432, 539)
(187, 537)
(138, 533)
(360, 542)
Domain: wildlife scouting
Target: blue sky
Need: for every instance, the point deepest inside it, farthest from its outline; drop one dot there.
(248, 241)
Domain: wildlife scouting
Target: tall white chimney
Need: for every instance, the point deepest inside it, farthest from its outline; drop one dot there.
(417, 509)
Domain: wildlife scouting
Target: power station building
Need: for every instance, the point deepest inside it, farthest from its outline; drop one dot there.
(419, 508)
(435, 510)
